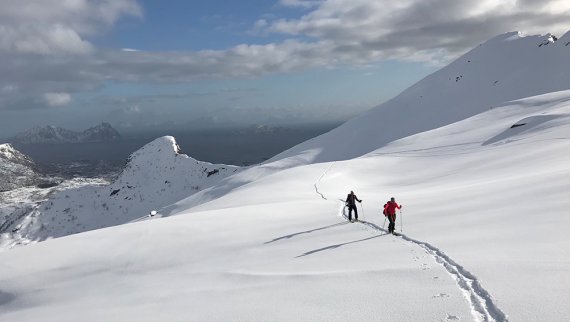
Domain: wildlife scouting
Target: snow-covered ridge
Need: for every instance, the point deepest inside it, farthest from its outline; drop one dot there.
(508, 67)
(9, 153)
(156, 175)
(56, 135)
(17, 169)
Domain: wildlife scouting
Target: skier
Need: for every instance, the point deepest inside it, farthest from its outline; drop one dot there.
(390, 212)
(351, 200)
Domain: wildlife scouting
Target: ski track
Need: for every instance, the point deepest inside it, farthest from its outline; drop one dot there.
(481, 302)
(319, 180)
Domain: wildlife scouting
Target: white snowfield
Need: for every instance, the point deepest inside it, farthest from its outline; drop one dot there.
(483, 174)
(155, 176)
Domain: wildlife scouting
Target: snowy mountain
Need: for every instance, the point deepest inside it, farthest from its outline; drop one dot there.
(156, 175)
(18, 170)
(477, 153)
(55, 135)
(508, 67)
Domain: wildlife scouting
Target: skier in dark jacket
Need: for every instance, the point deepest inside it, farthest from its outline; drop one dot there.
(351, 200)
(390, 212)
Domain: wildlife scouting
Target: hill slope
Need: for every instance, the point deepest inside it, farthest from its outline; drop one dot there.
(275, 249)
(508, 67)
(483, 179)
(155, 176)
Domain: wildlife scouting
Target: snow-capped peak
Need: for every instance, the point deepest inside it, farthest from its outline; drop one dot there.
(8, 152)
(156, 175)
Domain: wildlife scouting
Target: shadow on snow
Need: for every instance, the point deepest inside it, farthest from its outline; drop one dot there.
(305, 232)
(331, 247)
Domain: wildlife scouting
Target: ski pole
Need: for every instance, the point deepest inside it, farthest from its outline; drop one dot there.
(401, 221)
(384, 224)
(362, 208)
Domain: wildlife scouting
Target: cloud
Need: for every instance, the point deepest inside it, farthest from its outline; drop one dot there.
(44, 40)
(44, 47)
(398, 29)
(300, 3)
(57, 99)
(50, 27)
(53, 55)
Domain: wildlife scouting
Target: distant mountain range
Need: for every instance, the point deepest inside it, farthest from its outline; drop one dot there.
(103, 132)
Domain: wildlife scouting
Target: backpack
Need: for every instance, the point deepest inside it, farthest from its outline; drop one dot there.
(384, 211)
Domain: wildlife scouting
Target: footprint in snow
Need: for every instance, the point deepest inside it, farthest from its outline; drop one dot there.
(440, 296)
(451, 318)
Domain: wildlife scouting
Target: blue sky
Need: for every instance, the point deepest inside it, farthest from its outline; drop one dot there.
(198, 25)
(219, 25)
(183, 64)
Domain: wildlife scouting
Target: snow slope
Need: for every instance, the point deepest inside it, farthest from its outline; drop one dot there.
(155, 176)
(276, 250)
(18, 205)
(484, 179)
(508, 67)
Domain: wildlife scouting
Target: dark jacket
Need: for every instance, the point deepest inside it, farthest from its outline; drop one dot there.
(351, 199)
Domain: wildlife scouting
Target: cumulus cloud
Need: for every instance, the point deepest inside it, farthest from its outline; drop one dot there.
(57, 99)
(43, 40)
(53, 54)
(44, 47)
(399, 29)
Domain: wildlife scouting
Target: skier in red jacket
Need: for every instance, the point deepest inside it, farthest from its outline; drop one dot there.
(390, 212)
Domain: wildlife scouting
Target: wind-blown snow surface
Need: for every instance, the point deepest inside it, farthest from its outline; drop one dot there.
(485, 225)
(155, 176)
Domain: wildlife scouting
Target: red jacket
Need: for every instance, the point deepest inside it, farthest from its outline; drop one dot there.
(391, 207)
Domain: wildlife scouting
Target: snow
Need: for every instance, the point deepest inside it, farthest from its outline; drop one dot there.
(16, 169)
(19, 207)
(156, 175)
(500, 70)
(484, 235)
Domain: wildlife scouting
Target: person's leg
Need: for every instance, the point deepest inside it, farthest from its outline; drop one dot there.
(391, 225)
(355, 213)
(393, 222)
(349, 212)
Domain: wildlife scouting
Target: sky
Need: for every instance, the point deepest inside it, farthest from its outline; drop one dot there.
(142, 64)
